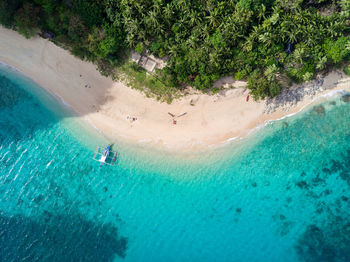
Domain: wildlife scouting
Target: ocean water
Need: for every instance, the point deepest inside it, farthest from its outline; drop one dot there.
(282, 194)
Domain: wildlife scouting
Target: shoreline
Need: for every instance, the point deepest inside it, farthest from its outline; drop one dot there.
(109, 106)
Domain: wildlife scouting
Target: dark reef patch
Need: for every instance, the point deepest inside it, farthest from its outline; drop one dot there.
(319, 110)
(317, 180)
(302, 184)
(328, 240)
(344, 198)
(285, 228)
(313, 246)
(341, 167)
(328, 243)
(327, 192)
(58, 238)
(38, 199)
(346, 98)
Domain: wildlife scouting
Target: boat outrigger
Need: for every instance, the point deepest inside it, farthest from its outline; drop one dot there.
(105, 155)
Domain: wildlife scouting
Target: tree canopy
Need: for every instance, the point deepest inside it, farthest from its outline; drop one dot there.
(266, 42)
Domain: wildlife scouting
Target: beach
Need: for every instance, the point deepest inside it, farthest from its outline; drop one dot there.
(274, 195)
(120, 112)
(171, 158)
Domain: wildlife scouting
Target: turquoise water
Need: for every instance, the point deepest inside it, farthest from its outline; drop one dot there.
(283, 194)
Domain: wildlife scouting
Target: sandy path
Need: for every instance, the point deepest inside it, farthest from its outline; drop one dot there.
(110, 105)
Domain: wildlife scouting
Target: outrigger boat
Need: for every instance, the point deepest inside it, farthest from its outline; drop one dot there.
(105, 155)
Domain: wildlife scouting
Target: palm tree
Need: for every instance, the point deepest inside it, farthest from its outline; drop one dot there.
(261, 12)
(205, 32)
(347, 46)
(292, 36)
(254, 35)
(332, 29)
(151, 20)
(191, 41)
(194, 18)
(299, 54)
(274, 18)
(130, 39)
(213, 18)
(321, 63)
(265, 38)
(271, 72)
(248, 45)
(168, 12)
(173, 51)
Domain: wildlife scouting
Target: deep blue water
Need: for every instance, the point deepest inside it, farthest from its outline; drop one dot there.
(283, 194)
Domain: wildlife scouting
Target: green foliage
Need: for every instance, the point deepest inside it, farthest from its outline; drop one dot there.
(249, 4)
(270, 72)
(26, 19)
(154, 48)
(48, 5)
(260, 87)
(336, 50)
(345, 5)
(303, 73)
(104, 43)
(136, 77)
(206, 40)
(139, 48)
(347, 70)
(76, 28)
(217, 39)
(240, 75)
(263, 41)
(7, 11)
(204, 81)
(90, 11)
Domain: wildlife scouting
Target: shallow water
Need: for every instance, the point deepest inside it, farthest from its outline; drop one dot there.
(283, 194)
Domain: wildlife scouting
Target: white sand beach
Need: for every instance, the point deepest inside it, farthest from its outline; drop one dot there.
(111, 106)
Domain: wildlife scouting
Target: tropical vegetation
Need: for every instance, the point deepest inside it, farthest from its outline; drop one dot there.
(270, 43)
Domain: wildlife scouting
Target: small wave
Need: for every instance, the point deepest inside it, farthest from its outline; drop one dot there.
(90, 122)
(48, 164)
(335, 93)
(332, 93)
(10, 67)
(232, 139)
(227, 141)
(63, 101)
(329, 94)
